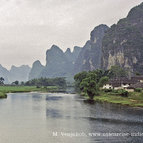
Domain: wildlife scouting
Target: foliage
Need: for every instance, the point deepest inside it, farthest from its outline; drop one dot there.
(138, 90)
(119, 92)
(79, 77)
(60, 82)
(90, 82)
(107, 90)
(118, 72)
(16, 82)
(123, 93)
(22, 83)
(1, 80)
(103, 80)
(15, 89)
(12, 89)
(89, 85)
(134, 99)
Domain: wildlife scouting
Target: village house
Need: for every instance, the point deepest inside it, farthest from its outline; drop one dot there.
(125, 83)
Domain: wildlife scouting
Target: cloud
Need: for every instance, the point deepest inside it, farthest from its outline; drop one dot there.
(30, 27)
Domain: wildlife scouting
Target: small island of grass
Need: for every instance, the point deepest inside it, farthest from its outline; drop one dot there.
(3, 95)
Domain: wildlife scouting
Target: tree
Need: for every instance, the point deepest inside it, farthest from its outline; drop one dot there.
(1, 80)
(103, 80)
(90, 82)
(22, 83)
(16, 82)
(89, 85)
(118, 72)
(80, 76)
(59, 81)
(78, 79)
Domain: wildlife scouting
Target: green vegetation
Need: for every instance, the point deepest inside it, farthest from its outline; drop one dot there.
(89, 83)
(59, 82)
(1, 80)
(134, 99)
(119, 92)
(3, 95)
(138, 90)
(16, 82)
(12, 89)
(15, 89)
(117, 72)
(42, 85)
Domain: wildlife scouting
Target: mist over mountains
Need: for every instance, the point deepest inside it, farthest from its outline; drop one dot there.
(20, 73)
(67, 64)
(121, 44)
(58, 63)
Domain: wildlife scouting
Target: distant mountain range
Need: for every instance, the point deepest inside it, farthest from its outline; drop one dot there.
(121, 44)
(67, 64)
(58, 63)
(15, 73)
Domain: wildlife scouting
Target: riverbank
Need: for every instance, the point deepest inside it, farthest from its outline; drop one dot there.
(134, 99)
(14, 89)
(3, 95)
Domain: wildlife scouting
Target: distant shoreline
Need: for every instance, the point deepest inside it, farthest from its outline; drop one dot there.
(20, 89)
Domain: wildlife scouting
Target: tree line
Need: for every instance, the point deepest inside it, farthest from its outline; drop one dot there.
(59, 81)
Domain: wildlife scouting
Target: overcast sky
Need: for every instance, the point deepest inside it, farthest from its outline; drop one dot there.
(29, 27)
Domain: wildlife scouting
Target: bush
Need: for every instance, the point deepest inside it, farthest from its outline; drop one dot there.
(107, 90)
(138, 90)
(123, 93)
(120, 92)
(38, 86)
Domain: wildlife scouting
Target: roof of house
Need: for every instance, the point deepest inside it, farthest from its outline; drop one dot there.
(118, 82)
(137, 78)
(136, 85)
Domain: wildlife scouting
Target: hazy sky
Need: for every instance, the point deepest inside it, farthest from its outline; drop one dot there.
(29, 27)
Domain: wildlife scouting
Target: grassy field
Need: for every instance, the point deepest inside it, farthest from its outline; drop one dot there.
(134, 99)
(13, 89)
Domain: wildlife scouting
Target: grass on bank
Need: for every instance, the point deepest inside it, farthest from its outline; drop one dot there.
(134, 99)
(14, 89)
(3, 95)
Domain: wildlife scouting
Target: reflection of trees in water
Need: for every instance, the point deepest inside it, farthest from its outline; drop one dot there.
(53, 113)
(36, 96)
(53, 98)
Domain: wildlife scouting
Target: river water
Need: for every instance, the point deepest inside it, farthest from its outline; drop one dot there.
(66, 118)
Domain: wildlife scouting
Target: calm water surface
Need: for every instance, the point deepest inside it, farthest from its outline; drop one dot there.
(66, 118)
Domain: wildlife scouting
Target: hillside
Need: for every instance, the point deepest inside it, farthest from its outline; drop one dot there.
(123, 43)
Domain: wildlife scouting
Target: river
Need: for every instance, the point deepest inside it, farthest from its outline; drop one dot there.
(66, 118)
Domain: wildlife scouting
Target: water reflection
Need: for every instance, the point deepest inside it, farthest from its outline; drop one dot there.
(33, 117)
(53, 113)
(53, 98)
